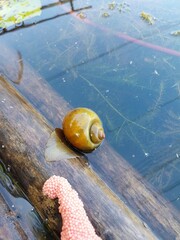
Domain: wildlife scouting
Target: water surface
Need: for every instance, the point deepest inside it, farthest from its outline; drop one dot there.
(104, 56)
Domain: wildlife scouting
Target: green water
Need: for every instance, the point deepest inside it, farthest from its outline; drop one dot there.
(106, 57)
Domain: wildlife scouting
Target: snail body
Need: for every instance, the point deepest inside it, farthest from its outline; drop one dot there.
(83, 129)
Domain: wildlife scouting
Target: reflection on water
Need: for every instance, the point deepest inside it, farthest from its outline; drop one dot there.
(106, 57)
(25, 213)
(16, 12)
(13, 15)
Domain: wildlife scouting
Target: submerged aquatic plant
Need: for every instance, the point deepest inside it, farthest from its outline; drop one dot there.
(112, 5)
(172, 125)
(126, 120)
(15, 12)
(176, 33)
(147, 17)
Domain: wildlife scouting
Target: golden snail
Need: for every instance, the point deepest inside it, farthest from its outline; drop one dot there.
(83, 129)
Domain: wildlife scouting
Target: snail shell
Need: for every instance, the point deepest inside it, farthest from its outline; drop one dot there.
(83, 129)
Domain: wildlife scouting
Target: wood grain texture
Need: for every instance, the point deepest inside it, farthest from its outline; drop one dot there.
(106, 164)
(10, 227)
(24, 134)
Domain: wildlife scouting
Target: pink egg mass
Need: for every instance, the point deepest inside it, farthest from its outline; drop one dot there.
(76, 225)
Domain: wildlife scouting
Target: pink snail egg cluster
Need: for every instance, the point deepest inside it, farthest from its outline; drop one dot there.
(76, 225)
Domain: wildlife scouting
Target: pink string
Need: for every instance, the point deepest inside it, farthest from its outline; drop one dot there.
(131, 39)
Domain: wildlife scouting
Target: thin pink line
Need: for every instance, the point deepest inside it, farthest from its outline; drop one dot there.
(134, 40)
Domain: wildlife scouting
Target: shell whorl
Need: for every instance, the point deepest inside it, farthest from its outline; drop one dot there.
(83, 129)
(96, 133)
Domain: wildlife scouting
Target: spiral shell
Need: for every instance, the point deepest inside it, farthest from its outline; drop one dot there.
(83, 129)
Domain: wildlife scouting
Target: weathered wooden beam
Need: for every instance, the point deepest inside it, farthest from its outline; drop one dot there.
(10, 227)
(111, 167)
(24, 134)
(18, 220)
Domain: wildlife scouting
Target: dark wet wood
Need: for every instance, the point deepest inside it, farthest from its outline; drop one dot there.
(10, 226)
(26, 147)
(24, 134)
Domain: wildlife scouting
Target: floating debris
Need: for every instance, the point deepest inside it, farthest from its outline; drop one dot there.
(15, 12)
(81, 15)
(146, 154)
(156, 72)
(147, 17)
(105, 14)
(124, 7)
(176, 33)
(112, 6)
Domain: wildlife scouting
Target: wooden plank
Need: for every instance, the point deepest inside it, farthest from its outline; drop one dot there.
(24, 134)
(111, 167)
(19, 220)
(10, 227)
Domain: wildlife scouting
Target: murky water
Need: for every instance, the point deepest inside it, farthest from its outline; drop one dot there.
(105, 56)
(20, 212)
